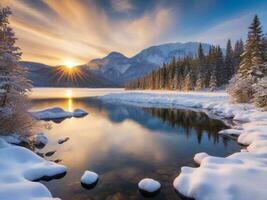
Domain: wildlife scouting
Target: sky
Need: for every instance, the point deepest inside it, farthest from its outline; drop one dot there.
(58, 31)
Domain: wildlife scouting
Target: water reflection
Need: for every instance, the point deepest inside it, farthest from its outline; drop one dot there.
(124, 144)
(190, 121)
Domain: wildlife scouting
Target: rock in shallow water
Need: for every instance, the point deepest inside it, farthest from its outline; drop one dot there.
(50, 153)
(89, 179)
(63, 140)
(149, 187)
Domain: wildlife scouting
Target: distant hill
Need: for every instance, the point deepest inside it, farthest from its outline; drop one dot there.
(120, 69)
(48, 76)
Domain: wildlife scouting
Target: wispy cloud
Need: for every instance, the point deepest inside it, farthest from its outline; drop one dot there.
(77, 31)
(122, 5)
(232, 29)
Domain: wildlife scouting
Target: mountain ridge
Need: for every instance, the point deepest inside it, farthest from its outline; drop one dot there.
(123, 69)
(115, 69)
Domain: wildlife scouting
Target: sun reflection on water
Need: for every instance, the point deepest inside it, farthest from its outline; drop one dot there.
(70, 108)
(69, 96)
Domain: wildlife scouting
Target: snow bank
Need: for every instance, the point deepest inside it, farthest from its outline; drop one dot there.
(14, 138)
(19, 167)
(149, 186)
(241, 176)
(89, 178)
(57, 113)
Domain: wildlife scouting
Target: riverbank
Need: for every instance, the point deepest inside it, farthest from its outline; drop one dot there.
(233, 177)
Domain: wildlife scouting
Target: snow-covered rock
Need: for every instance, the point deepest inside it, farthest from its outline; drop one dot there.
(79, 113)
(89, 179)
(39, 140)
(149, 186)
(240, 176)
(52, 113)
(230, 132)
(19, 167)
(57, 113)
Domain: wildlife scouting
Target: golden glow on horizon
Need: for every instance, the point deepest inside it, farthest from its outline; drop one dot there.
(69, 64)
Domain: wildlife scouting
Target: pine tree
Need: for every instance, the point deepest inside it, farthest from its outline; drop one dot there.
(254, 50)
(13, 82)
(201, 73)
(229, 60)
(220, 70)
(238, 51)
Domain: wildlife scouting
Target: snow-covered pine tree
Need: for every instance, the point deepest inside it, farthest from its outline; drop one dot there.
(200, 83)
(254, 50)
(240, 89)
(260, 96)
(213, 82)
(229, 60)
(14, 85)
(188, 85)
(252, 67)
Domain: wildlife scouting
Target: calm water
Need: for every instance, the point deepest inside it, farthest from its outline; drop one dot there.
(124, 144)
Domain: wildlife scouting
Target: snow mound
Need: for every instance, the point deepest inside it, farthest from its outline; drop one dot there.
(57, 113)
(228, 178)
(199, 157)
(19, 167)
(149, 185)
(89, 179)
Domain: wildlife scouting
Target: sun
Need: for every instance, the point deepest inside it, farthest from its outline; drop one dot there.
(69, 64)
(68, 93)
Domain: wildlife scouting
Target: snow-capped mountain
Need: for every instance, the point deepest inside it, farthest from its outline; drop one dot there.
(119, 68)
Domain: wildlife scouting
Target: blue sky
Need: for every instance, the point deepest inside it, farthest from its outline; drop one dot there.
(52, 31)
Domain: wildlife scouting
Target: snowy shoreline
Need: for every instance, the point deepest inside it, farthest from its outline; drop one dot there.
(233, 177)
(20, 169)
